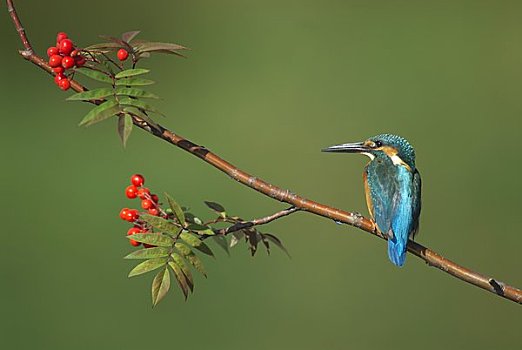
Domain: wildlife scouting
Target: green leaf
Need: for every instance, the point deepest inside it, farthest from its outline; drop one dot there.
(134, 92)
(236, 237)
(147, 265)
(277, 242)
(201, 229)
(160, 286)
(191, 257)
(218, 208)
(176, 209)
(95, 94)
(161, 224)
(133, 82)
(101, 112)
(222, 242)
(153, 239)
(95, 47)
(128, 36)
(137, 112)
(148, 46)
(149, 253)
(186, 271)
(131, 72)
(180, 277)
(196, 243)
(94, 74)
(138, 104)
(193, 219)
(124, 127)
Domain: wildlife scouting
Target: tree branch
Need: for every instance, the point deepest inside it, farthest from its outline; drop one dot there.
(298, 203)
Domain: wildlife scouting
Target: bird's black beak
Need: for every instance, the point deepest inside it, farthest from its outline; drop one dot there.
(356, 147)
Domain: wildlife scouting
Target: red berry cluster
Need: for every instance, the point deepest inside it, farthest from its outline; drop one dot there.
(64, 56)
(149, 202)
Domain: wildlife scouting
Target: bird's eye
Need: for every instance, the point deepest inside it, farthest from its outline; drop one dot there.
(378, 144)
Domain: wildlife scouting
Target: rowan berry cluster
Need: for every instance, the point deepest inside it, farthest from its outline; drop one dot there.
(149, 202)
(64, 56)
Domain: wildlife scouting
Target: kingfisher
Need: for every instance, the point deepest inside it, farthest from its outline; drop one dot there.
(393, 188)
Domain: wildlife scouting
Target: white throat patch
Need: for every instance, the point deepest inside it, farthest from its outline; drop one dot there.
(369, 155)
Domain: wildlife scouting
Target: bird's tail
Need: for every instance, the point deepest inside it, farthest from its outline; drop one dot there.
(396, 251)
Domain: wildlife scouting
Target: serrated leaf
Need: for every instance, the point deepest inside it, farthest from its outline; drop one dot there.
(201, 229)
(222, 242)
(236, 238)
(94, 74)
(186, 270)
(160, 286)
(131, 72)
(153, 239)
(137, 112)
(148, 265)
(191, 257)
(133, 82)
(195, 242)
(128, 36)
(218, 208)
(149, 253)
(161, 224)
(180, 277)
(95, 94)
(277, 242)
(149, 46)
(176, 209)
(101, 112)
(134, 92)
(124, 127)
(127, 101)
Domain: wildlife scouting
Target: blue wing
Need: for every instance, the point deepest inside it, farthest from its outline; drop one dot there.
(392, 194)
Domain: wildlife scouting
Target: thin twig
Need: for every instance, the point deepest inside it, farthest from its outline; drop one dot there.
(256, 222)
(354, 219)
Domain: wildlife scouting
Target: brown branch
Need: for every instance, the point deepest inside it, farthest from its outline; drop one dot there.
(354, 219)
(256, 222)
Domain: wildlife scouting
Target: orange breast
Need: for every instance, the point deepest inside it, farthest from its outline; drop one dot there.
(367, 192)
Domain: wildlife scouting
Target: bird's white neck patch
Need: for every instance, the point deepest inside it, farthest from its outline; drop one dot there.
(369, 155)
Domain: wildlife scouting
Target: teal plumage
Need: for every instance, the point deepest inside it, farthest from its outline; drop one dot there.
(393, 187)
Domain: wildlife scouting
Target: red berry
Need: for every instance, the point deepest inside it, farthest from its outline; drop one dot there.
(55, 61)
(60, 36)
(67, 62)
(154, 211)
(154, 198)
(58, 77)
(133, 231)
(66, 46)
(147, 204)
(53, 50)
(74, 53)
(64, 84)
(144, 193)
(131, 192)
(58, 69)
(122, 54)
(132, 215)
(137, 180)
(123, 213)
(80, 60)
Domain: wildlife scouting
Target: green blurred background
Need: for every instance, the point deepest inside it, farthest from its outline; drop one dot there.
(267, 85)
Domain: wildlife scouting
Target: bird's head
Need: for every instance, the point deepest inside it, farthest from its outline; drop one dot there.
(385, 145)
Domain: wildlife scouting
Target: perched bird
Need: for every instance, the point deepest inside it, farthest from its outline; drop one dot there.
(393, 188)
